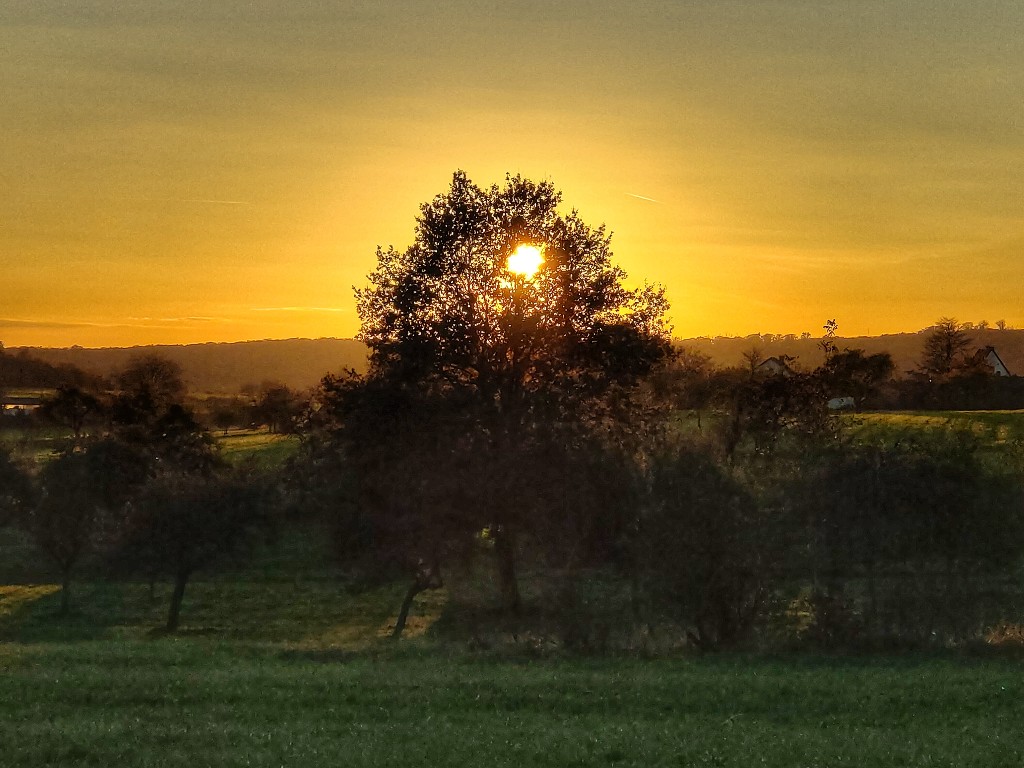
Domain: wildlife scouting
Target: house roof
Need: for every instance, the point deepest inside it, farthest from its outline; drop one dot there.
(775, 365)
(20, 400)
(984, 355)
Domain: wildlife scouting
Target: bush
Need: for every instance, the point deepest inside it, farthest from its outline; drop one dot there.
(707, 549)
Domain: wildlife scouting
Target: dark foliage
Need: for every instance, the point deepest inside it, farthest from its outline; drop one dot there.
(148, 387)
(78, 502)
(279, 408)
(480, 376)
(917, 530)
(22, 370)
(852, 373)
(708, 548)
(945, 347)
(15, 488)
(182, 523)
(73, 407)
(447, 310)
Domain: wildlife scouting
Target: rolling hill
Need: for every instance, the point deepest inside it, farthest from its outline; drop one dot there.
(301, 363)
(226, 367)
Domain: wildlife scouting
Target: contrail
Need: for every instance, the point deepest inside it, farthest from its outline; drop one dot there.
(219, 202)
(299, 309)
(642, 197)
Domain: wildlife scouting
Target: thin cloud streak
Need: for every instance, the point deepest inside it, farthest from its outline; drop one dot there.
(643, 197)
(193, 319)
(216, 202)
(299, 309)
(11, 323)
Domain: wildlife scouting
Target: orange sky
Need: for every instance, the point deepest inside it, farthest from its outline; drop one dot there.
(199, 171)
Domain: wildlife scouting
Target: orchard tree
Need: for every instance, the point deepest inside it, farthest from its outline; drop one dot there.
(80, 497)
(183, 523)
(517, 312)
(15, 487)
(148, 386)
(148, 413)
(72, 407)
(278, 407)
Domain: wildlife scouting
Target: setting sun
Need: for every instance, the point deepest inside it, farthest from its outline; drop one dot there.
(525, 261)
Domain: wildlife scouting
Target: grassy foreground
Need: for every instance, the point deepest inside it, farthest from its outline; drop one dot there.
(188, 702)
(278, 664)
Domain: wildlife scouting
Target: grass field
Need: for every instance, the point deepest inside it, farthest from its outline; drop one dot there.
(996, 427)
(284, 661)
(266, 449)
(41, 441)
(204, 701)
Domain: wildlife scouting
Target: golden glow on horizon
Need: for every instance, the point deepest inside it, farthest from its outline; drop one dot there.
(525, 261)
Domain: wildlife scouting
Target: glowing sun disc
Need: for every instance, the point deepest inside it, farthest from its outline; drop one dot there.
(525, 260)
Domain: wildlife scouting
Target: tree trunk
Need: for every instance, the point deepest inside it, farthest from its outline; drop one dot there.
(176, 597)
(65, 592)
(427, 577)
(505, 548)
(403, 614)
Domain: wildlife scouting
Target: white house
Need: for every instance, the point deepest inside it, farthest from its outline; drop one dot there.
(19, 406)
(773, 366)
(987, 356)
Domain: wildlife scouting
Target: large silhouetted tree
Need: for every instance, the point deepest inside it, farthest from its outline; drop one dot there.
(447, 316)
(447, 309)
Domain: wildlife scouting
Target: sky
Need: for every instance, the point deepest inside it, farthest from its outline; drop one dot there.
(221, 170)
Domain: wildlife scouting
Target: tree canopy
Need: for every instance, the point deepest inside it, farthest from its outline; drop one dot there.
(449, 311)
(487, 371)
(945, 347)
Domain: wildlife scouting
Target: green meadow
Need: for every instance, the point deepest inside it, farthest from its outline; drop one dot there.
(266, 449)
(205, 701)
(284, 660)
(996, 427)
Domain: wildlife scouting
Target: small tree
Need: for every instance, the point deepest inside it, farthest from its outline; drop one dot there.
(149, 386)
(398, 472)
(945, 346)
(706, 548)
(828, 342)
(15, 488)
(278, 407)
(753, 357)
(72, 407)
(183, 523)
(79, 499)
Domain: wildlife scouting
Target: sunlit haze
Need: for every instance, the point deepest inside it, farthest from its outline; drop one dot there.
(190, 171)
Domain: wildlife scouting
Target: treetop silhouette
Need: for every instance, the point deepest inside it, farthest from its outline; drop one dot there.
(450, 311)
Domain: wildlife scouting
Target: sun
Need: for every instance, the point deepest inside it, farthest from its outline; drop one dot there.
(525, 261)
